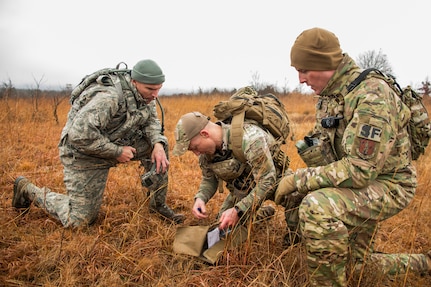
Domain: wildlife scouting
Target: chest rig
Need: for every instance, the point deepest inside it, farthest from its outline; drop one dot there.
(323, 145)
(330, 114)
(236, 174)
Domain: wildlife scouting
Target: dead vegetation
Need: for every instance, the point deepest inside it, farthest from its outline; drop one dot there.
(128, 246)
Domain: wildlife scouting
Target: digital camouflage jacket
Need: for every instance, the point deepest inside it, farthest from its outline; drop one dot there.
(102, 120)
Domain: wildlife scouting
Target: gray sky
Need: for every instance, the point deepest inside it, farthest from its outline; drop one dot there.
(202, 44)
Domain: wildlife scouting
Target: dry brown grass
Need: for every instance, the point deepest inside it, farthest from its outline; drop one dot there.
(128, 246)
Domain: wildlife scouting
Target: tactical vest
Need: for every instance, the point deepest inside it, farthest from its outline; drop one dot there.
(93, 84)
(238, 175)
(128, 99)
(323, 145)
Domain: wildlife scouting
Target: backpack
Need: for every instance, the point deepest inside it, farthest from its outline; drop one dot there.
(107, 77)
(102, 77)
(419, 127)
(267, 110)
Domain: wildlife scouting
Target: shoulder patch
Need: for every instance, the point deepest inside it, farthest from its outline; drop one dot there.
(368, 139)
(366, 148)
(369, 132)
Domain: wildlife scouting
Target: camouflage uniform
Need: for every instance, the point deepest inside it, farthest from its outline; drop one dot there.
(250, 183)
(101, 121)
(365, 175)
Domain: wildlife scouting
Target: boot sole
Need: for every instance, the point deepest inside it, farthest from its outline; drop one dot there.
(15, 199)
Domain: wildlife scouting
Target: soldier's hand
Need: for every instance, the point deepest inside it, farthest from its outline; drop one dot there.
(228, 218)
(127, 154)
(159, 157)
(286, 186)
(199, 209)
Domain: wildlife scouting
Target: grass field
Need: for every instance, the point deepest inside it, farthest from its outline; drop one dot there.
(128, 246)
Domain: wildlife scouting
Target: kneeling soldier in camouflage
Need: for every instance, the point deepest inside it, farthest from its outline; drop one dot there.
(249, 183)
(113, 120)
(360, 169)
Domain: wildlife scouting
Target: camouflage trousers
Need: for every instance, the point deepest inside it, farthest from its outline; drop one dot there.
(338, 226)
(85, 188)
(82, 202)
(144, 149)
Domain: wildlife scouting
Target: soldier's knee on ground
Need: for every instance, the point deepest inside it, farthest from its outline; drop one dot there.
(79, 217)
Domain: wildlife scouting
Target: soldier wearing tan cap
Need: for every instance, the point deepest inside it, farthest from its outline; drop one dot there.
(250, 183)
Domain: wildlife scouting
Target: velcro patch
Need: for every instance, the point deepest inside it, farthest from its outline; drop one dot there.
(369, 132)
(369, 137)
(366, 148)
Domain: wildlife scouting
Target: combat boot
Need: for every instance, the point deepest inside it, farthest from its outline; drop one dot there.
(168, 213)
(264, 213)
(20, 197)
(291, 238)
(428, 255)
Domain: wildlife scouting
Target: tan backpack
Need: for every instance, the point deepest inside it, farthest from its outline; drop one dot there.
(267, 110)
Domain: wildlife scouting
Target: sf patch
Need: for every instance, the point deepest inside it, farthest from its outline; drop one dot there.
(369, 138)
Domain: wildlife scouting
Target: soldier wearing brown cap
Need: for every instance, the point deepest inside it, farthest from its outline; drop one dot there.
(359, 170)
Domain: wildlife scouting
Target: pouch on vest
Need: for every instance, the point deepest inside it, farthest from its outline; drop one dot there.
(228, 169)
(316, 152)
(193, 240)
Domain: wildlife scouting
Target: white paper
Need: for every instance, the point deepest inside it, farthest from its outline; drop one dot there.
(213, 237)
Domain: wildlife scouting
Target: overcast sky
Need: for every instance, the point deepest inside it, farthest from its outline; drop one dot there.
(202, 44)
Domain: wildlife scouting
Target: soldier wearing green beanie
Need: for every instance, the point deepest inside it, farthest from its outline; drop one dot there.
(113, 120)
(359, 166)
(148, 72)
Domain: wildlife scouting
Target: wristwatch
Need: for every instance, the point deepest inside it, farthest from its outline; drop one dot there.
(239, 211)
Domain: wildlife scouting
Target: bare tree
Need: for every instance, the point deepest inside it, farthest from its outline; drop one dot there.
(285, 89)
(373, 59)
(7, 91)
(56, 101)
(35, 95)
(425, 87)
(255, 81)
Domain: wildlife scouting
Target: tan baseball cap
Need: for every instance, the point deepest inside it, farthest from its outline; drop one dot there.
(187, 128)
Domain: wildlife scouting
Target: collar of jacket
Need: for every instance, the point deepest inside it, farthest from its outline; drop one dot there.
(346, 72)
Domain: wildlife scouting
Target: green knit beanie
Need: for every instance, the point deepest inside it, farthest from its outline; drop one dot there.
(148, 72)
(316, 49)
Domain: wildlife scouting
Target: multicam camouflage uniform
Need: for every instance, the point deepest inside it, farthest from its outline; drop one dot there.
(99, 123)
(365, 175)
(249, 184)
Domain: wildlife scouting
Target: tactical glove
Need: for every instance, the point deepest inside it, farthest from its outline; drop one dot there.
(286, 186)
